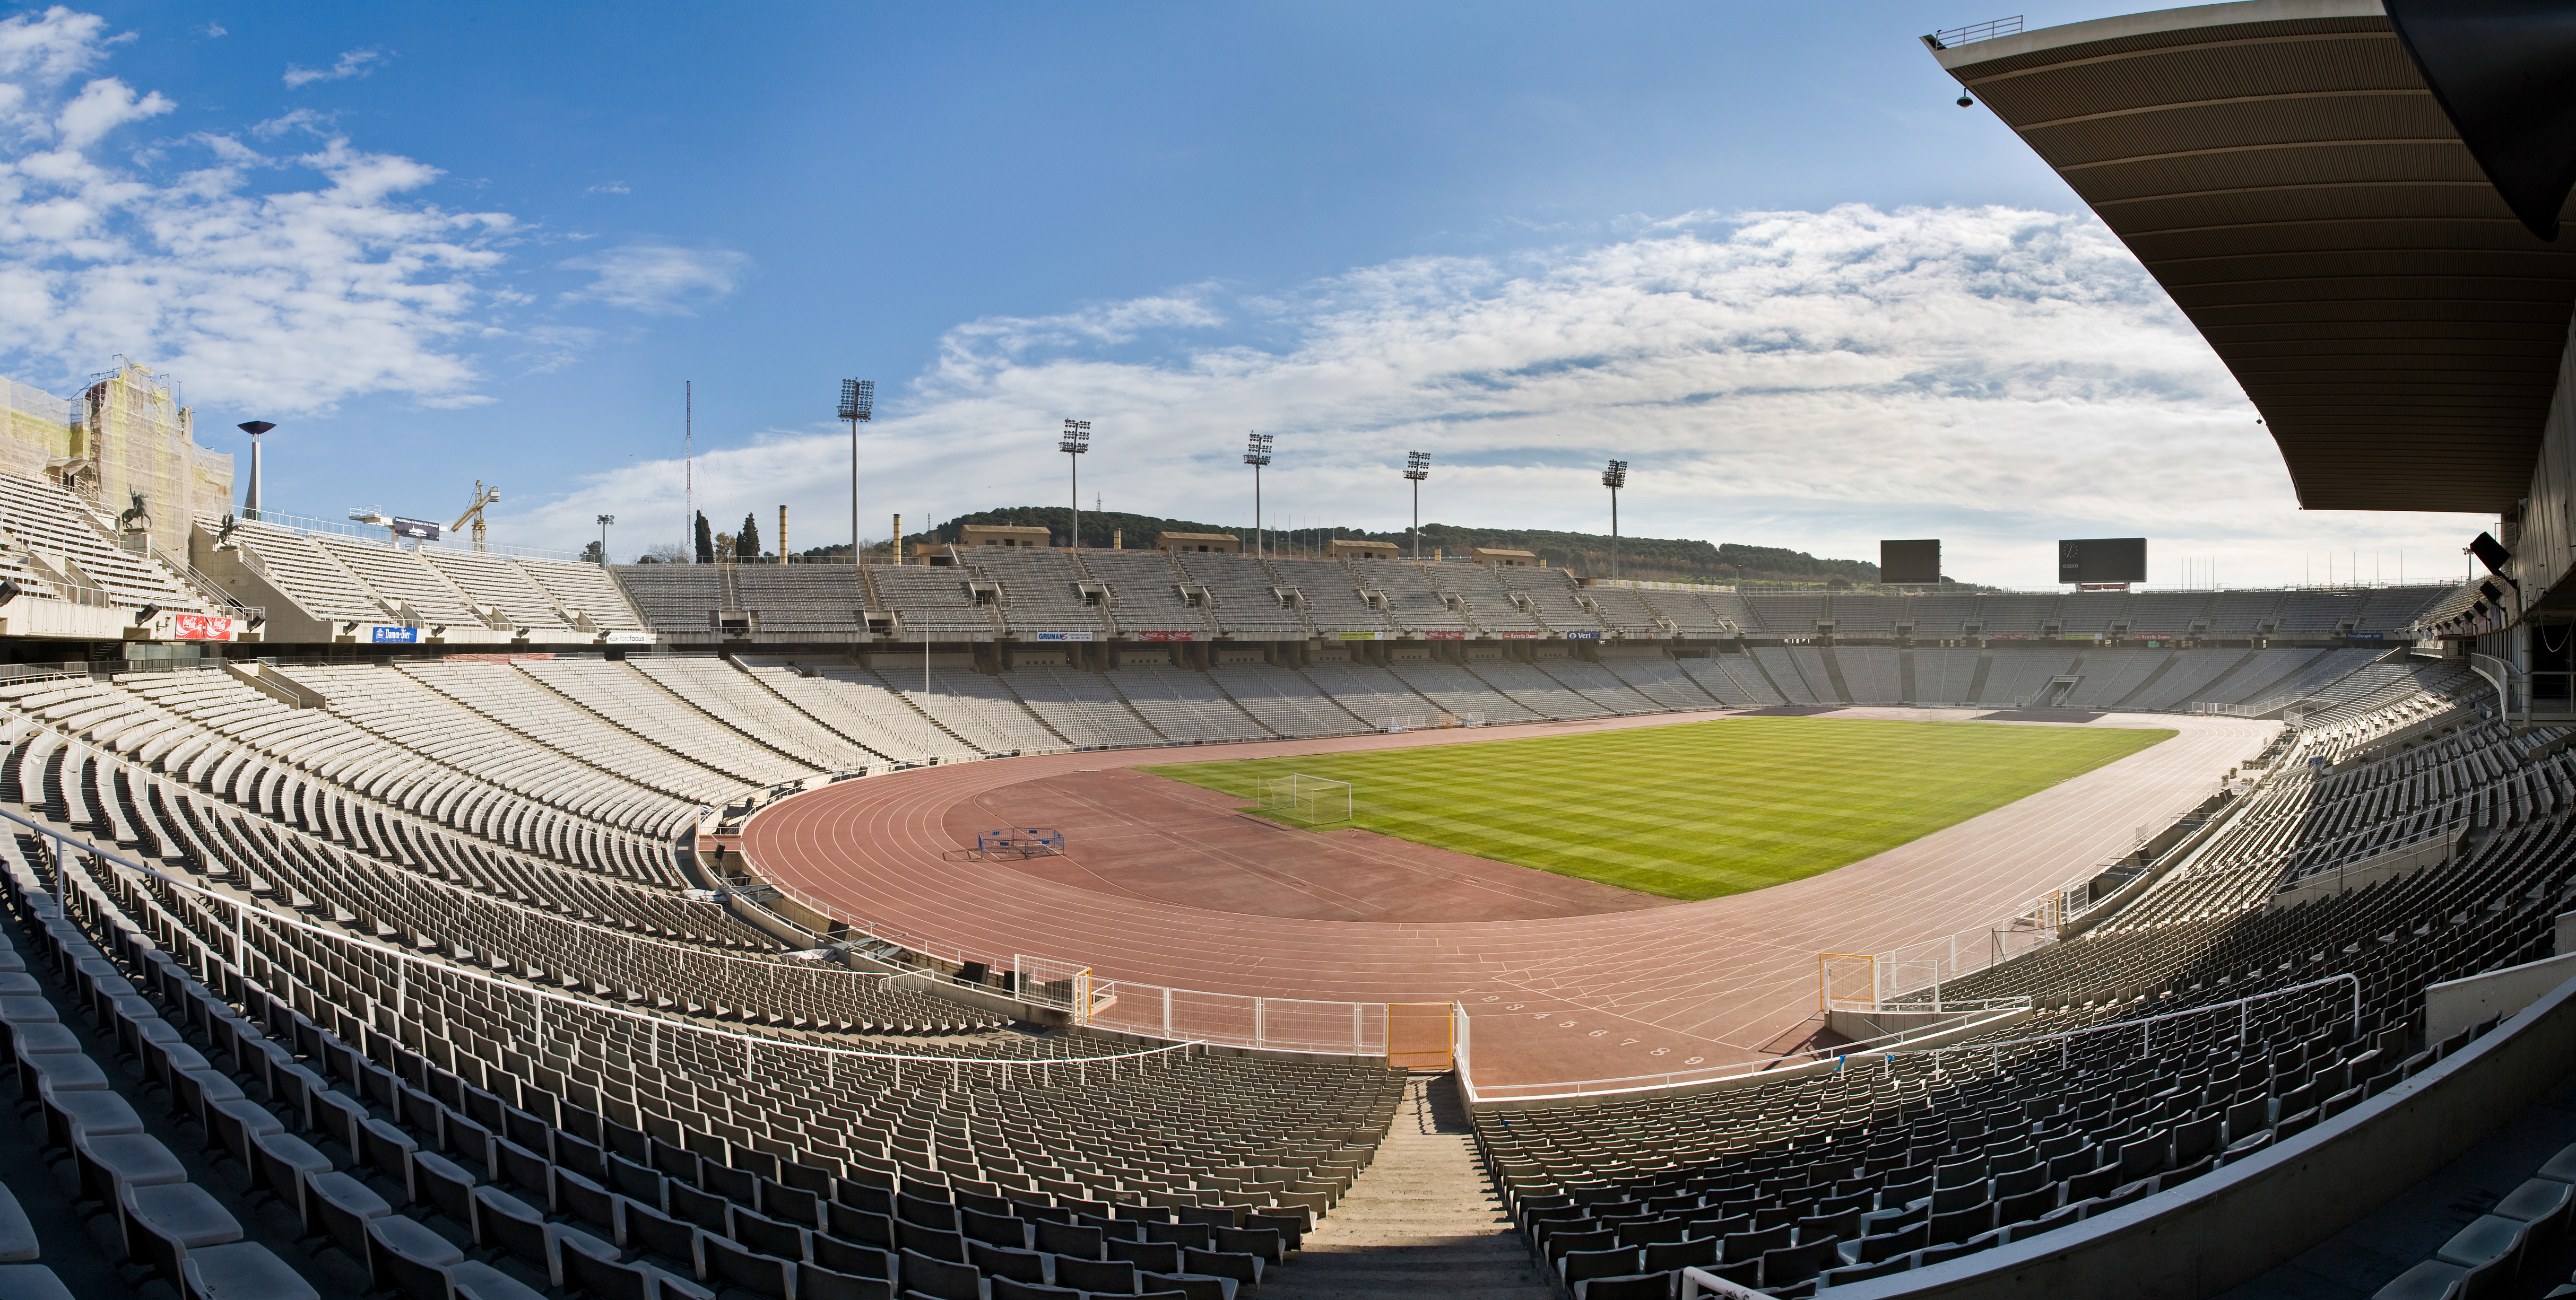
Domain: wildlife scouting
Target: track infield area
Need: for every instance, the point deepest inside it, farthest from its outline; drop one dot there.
(1695, 810)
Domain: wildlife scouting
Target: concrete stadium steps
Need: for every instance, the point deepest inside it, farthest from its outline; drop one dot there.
(1659, 679)
(1284, 701)
(1081, 706)
(1373, 695)
(868, 714)
(1732, 680)
(1184, 705)
(1423, 1219)
(513, 700)
(641, 707)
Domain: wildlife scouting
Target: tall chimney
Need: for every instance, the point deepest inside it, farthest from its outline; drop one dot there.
(782, 535)
(894, 547)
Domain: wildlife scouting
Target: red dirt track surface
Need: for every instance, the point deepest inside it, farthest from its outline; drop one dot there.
(1567, 979)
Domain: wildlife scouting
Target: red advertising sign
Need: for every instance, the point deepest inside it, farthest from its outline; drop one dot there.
(1521, 636)
(1167, 636)
(1459, 635)
(201, 627)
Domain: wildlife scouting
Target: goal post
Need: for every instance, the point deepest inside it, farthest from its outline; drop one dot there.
(1309, 799)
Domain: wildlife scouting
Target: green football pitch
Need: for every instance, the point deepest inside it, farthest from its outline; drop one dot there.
(1696, 809)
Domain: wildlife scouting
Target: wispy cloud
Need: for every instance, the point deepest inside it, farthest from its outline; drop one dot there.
(609, 187)
(1998, 378)
(354, 63)
(212, 30)
(657, 279)
(298, 297)
(302, 119)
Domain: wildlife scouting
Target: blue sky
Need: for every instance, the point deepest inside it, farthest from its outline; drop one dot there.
(1755, 250)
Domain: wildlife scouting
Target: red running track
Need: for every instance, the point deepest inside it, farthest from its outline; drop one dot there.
(1597, 996)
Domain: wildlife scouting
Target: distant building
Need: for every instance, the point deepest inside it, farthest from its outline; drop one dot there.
(125, 447)
(1226, 542)
(1348, 549)
(1508, 559)
(1004, 535)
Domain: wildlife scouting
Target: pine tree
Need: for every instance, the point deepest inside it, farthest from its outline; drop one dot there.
(746, 544)
(706, 541)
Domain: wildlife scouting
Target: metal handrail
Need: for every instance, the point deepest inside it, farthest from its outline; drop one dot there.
(1697, 1281)
(245, 909)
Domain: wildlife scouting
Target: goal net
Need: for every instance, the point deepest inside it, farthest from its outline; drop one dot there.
(1309, 799)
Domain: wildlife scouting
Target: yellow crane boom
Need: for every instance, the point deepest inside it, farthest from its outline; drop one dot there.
(483, 496)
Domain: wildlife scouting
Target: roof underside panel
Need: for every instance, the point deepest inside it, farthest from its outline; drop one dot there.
(2297, 189)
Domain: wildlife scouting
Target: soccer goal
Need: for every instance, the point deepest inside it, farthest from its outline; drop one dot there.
(1309, 799)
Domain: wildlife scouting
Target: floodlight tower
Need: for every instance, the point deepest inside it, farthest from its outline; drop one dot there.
(1256, 453)
(604, 522)
(1615, 478)
(1417, 467)
(250, 499)
(1076, 440)
(858, 402)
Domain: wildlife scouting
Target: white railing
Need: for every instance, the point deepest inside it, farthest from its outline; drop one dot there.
(1734, 1071)
(247, 913)
(1697, 1282)
(1304, 1025)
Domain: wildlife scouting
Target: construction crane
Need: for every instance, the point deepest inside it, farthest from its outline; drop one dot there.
(483, 496)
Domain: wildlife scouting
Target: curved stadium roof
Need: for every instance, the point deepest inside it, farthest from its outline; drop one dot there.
(2284, 171)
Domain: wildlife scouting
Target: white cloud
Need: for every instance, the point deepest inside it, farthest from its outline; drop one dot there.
(212, 30)
(302, 119)
(101, 107)
(657, 279)
(1996, 378)
(294, 298)
(609, 187)
(354, 63)
(49, 48)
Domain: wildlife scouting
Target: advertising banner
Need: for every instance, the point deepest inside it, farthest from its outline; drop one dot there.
(1459, 635)
(420, 528)
(201, 627)
(630, 638)
(1582, 636)
(1520, 636)
(1363, 636)
(394, 635)
(1167, 636)
(1066, 636)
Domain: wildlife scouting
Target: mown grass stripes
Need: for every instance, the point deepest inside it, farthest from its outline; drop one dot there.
(1696, 810)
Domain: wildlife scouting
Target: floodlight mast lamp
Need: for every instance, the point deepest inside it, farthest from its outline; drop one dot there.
(604, 522)
(858, 403)
(1417, 467)
(1076, 440)
(1256, 453)
(1615, 478)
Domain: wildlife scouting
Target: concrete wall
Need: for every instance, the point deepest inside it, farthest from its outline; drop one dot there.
(2220, 1229)
(2455, 1005)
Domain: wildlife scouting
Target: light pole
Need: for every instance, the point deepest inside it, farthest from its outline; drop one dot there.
(1256, 453)
(1076, 440)
(1615, 478)
(858, 402)
(604, 522)
(250, 499)
(1417, 467)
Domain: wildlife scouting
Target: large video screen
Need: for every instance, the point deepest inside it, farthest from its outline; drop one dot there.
(1914, 561)
(2102, 559)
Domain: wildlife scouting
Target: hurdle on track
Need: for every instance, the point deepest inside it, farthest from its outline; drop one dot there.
(1020, 841)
